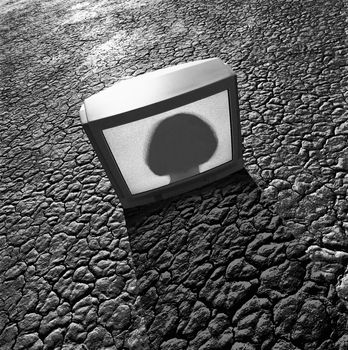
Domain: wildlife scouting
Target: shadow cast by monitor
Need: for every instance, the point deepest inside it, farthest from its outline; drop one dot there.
(197, 256)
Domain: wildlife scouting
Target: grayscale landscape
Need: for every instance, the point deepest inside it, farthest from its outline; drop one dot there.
(256, 261)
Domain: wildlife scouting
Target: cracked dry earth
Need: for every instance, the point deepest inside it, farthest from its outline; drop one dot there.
(255, 261)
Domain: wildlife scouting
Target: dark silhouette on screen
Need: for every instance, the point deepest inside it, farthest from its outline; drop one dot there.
(179, 144)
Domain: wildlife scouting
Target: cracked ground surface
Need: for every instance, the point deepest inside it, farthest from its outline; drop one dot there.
(256, 261)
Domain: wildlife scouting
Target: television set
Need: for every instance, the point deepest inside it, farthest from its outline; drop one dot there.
(166, 132)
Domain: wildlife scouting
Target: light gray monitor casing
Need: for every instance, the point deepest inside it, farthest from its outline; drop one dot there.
(153, 93)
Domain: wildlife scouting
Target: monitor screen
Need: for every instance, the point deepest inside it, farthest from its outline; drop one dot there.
(174, 145)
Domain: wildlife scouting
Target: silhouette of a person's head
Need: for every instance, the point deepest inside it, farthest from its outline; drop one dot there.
(179, 144)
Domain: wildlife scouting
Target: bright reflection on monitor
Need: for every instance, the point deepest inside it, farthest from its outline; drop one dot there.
(173, 145)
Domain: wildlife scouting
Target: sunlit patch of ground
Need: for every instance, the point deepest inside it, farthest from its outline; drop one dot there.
(87, 10)
(81, 5)
(116, 47)
(11, 5)
(120, 45)
(135, 4)
(80, 16)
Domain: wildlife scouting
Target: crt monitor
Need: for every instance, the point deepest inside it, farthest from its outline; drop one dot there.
(166, 132)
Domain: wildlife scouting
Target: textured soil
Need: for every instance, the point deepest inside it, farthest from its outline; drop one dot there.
(255, 261)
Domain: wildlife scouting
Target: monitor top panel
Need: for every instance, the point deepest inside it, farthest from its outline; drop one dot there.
(153, 87)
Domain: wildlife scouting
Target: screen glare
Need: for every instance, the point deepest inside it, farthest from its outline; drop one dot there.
(198, 139)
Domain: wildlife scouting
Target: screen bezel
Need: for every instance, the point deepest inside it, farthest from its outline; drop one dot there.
(95, 129)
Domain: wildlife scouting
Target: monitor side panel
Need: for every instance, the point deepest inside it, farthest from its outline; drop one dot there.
(235, 119)
(108, 162)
